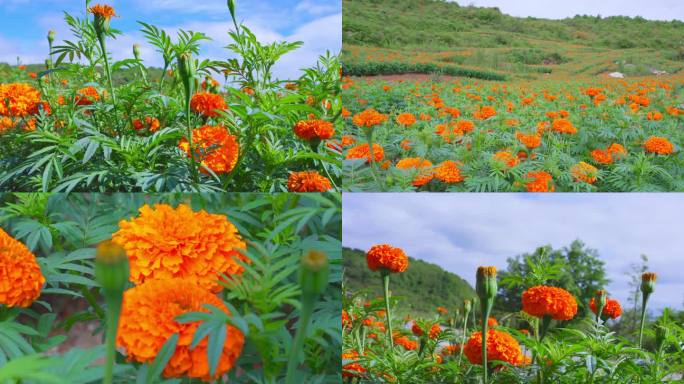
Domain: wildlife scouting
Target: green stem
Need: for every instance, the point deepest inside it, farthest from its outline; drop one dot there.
(369, 138)
(107, 68)
(486, 310)
(112, 323)
(308, 302)
(463, 339)
(643, 321)
(388, 316)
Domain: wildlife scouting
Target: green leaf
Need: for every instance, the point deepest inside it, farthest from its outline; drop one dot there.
(217, 339)
(162, 358)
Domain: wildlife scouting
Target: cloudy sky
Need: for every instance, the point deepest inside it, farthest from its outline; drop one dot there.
(459, 232)
(652, 9)
(318, 23)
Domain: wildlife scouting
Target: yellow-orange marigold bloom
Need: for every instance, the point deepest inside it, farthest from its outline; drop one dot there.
(207, 104)
(406, 119)
(500, 347)
(369, 118)
(435, 331)
(214, 147)
(103, 10)
(563, 126)
(539, 181)
(584, 172)
(165, 242)
(659, 145)
(23, 100)
(506, 158)
(448, 172)
(149, 123)
(352, 369)
(148, 319)
(612, 308)
(424, 175)
(602, 156)
(485, 113)
(314, 129)
(529, 141)
(362, 152)
(87, 96)
(617, 150)
(6, 124)
(442, 310)
(20, 277)
(655, 115)
(308, 181)
(492, 322)
(541, 300)
(463, 127)
(404, 341)
(387, 257)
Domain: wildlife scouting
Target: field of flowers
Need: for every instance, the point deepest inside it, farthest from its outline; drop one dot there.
(542, 343)
(132, 288)
(87, 123)
(447, 134)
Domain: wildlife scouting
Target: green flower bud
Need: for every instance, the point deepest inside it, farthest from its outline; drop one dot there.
(648, 280)
(314, 272)
(136, 51)
(485, 283)
(111, 268)
(467, 305)
(51, 37)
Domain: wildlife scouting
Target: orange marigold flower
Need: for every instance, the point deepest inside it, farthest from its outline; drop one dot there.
(506, 158)
(612, 309)
(352, 369)
(406, 119)
(314, 129)
(103, 10)
(408, 344)
(387, 257)
(215, 148)
(539, 181)
(529, 141)
(659, 145)
(149, 123)
(617, 150)
(165, 242)
(308, 181)
(424, 175)
(6, 124)
(602, 156)
(492, 322)
(405, 144)
(541, 300)
(448, 172)
(416, 329)
(464, 126)
(362, 152)
(435, 331)
(442, 310)
(346, 320)
(23, 100)
(207, 104)
(33, 75)
(563, 126)
(584, 172)
(148, 319)
(348, 141)
(500, 347)
(655, 115)
(87, 96)
(485, 113)
(369, 118)
(20, 277)
(345, 112)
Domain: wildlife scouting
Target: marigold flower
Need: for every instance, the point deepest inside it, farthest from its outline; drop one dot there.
(602, 156)
(584, 172)
(207, 104)
(539, 181)
(655, 115)
(500, 347)
(369, 118)
(416, 329)
(434, 332)
(506, 158)
(6, 124)
(406, 119)
(612, 309)
(404, 341)
(387, 257)
(215, 148)
(563, 126)
(541, 300)
(23, 100)
(658, 145)
(492, 322)
(148, 319)
(362, 152)
(148, 123)
(405, 144)
(314, 129)
(20, 277)
(448, 172)
(442, 310)
(87, 96)
(617, 150)
(352, 369)
(529, 141)
(103, 10)
(485, 113)
(346, 319)
(165, 242)
(308, 181)
(463, 127)
(425, 175)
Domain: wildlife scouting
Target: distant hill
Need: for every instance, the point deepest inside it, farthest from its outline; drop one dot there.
(123, 76)
(424, 286)
(435, 36)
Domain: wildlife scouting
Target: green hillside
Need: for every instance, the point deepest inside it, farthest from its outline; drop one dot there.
(423, 287)
(433, 36)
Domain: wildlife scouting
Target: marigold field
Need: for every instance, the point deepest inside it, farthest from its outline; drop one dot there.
(548, 341)
(449, 134)
(175, 288)
(83, 122)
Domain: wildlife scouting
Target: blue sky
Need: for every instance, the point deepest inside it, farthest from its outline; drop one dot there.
(459, 232)
(652, 9)
(316, 22)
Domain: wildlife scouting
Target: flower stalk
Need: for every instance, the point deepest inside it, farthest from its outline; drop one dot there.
(648, 280)
(486, 287)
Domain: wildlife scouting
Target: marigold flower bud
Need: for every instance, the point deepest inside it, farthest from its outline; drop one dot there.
(467, 305)
(648, 280)
(314, 272)
(486, 285)
(111, 268)
(51, 37)
(136, 51)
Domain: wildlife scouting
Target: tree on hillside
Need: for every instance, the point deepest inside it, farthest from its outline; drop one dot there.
(576, 268)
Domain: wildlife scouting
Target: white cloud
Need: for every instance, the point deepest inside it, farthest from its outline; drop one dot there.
(316, 7)
(461, 231)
